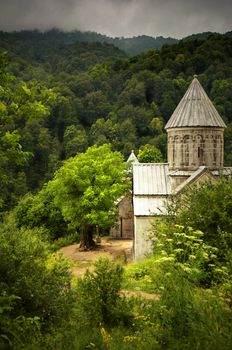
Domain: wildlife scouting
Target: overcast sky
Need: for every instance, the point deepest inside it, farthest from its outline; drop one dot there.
(175, 18)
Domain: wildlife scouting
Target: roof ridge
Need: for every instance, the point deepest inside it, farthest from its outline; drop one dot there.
(192, 177)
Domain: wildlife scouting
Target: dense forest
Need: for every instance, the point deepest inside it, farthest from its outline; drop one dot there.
(131, 46)
(61, 99)
(71, 111)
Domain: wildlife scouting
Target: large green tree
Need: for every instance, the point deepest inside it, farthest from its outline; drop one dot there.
(86, 187)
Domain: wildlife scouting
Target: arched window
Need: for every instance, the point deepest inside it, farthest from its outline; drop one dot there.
(186, 142)
(176, 150)
(200, 145)
(214, 152)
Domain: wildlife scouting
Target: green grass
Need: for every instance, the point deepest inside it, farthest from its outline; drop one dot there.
(137, 276)
(69, 239)
(83, 264)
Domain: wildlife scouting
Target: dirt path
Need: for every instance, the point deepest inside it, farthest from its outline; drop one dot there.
(112, 248)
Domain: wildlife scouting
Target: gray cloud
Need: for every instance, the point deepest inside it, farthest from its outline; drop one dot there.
(176, 18)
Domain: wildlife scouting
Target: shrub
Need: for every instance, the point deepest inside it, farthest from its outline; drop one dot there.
(40, 211)
(186, 249)
(34, 284)
(68, 239)
(137, 276)
(186, 315)
(207, 208)
(99, 300)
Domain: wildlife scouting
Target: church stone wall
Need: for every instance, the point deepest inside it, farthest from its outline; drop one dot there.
(124, 228)
(177, 180)
(189, 148)
(142, 241)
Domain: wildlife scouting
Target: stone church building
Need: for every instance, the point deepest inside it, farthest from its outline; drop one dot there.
(195, 152)
(124, 228)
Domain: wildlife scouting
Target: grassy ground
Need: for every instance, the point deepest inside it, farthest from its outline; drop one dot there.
(137, 276)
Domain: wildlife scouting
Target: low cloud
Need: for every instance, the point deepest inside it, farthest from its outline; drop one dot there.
(176, 18)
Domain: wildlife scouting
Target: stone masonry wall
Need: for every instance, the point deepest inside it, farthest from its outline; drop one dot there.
(189, 148)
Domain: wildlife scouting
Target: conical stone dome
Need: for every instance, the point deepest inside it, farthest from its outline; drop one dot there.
(195, 109)
(195, 132)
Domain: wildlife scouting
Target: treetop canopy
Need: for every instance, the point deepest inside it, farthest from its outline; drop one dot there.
(86, 187)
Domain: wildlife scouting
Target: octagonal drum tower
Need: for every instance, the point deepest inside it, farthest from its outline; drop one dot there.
(195, 132)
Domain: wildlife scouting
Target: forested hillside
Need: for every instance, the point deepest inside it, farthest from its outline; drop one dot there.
(57, 37)
(59, 99)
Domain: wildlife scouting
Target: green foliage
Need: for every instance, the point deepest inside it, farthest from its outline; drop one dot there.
(188, 317)
(207, 208)
(23, 109)
(35, 286)
(66, 240)
(75, 140)
(86, 187)
(228, 145)
(40, 211)
(186, 250)
(53, 40)
(95, 106)
(138, 276)
(149, 154)
(99, 301)
(192, 278)
(65, 99)
(184, 315)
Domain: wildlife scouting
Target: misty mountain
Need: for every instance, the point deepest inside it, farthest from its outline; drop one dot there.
(56, 38)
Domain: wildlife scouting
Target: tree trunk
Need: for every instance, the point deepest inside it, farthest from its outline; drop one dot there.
(86, 238)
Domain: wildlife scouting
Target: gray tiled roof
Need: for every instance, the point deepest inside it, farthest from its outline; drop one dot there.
(151, 179)
(195, 110)
(152, 185)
